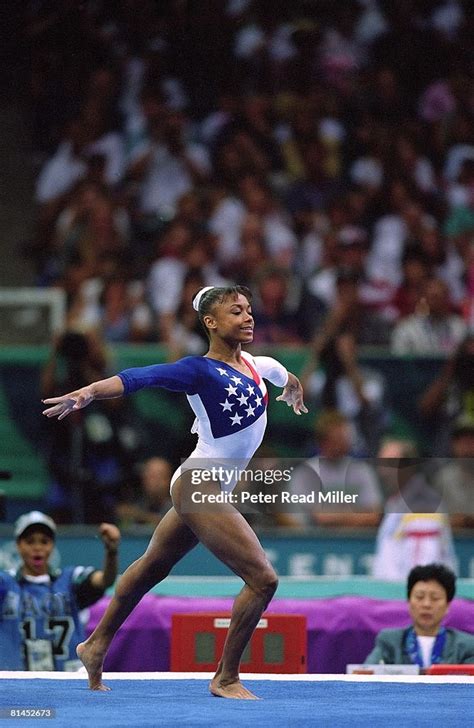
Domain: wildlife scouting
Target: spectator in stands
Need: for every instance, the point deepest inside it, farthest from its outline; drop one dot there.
(103, 141)
(415, 271)
(186, 335)
(459, 229)
(367, 145)
(396, 228)
(345, 249)
(415, 528)
(253, 255)
(276, 322)
(433, 329)
(167, 272)
(460, 151)
(88, 150)
(467, 303)
(226, 216)
(237, 156)
(449, 396)
(124, 315)
(182, 250)
(40, 624)
(409, 163)
(65, 168)
(166, 165)
(319, 289)
(315, 191)
(460, 193)
(333, 470)
(454, 477)
(332, 375)
(431, 244)
(280, 240)
(100, 233)
(91, 223)
(90, 458)
(430, 590)
(153, 498)
(254, 134)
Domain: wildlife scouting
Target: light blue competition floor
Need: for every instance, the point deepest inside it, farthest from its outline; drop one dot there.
(161, 700)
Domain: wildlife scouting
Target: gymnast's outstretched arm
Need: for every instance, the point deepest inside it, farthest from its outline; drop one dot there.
(66, 403)
(180, 376)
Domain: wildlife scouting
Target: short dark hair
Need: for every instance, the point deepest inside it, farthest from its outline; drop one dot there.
(219, 294)
(435, 572)
(328, 419)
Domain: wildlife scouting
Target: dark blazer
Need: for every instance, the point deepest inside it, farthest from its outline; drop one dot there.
(389, 648)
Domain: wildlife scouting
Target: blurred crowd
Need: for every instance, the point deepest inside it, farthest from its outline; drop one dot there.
(321, 153)
(303, 148)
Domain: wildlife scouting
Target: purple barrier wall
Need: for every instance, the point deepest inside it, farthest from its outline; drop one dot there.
(340, 630)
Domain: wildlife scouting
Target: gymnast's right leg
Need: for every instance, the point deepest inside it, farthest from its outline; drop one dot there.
(171, 540)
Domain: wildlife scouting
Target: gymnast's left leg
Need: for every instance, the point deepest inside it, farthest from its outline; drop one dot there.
(171, 541)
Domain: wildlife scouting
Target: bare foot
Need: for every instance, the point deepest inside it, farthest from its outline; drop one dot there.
(230, 690)
(93, 660)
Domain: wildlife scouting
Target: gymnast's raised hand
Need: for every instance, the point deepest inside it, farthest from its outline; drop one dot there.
(293, 395)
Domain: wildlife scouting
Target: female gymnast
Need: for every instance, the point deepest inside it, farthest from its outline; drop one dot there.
(226, 391)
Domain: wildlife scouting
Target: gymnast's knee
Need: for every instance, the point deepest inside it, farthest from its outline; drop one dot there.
(266, 583)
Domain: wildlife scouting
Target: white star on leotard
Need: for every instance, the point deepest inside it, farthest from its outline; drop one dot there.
(226, 405)
(258, 401)
(236, 419)
(222, 372)
(231, 390)
(250, 389)
(250, 411)
(242, 399)
(236, 380)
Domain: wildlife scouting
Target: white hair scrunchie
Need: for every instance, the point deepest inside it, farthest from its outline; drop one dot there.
(199, 295)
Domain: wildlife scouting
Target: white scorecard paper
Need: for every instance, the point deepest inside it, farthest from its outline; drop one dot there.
(382, 669)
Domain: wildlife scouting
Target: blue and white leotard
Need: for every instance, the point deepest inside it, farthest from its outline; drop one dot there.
(230, 407)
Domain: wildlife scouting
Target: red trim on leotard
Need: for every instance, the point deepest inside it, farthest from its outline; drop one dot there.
(256, 378)
(255, 375)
